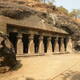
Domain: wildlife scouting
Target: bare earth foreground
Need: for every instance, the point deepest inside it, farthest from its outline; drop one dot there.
(52, 67)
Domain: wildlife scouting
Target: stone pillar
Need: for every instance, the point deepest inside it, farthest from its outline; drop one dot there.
(49, 46)
(62, 47)
(69, 45)
(31, 49)
(41, 46)
(19, 44)
(56, 46)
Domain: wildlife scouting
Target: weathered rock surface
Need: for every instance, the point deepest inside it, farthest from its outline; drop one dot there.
(19, 9)
(7, 56)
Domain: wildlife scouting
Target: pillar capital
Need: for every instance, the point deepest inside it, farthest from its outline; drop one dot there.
(41, 37)
(49, 38)
(62, 38)
(31, 37)
(69, 37)
(56, 38)
(19, 36)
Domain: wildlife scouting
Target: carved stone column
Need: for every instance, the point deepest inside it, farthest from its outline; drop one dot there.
(69, 45)
(49, 46)
(31, 49)
(56, 46)
(62, 47)
(19, 44)
(41, 46)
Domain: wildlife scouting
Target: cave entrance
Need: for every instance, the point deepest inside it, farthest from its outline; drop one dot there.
(36, 43)
(65, 43)
(45, 41)
(13, 39)
(53, 43)
(25, 40)
(59, 42)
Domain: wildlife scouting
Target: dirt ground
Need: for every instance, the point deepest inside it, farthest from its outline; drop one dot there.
(50, 67)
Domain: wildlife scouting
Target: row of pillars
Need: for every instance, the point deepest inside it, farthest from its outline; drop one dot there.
(62, 48)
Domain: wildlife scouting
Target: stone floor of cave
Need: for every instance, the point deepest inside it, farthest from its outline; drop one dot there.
(50, 67)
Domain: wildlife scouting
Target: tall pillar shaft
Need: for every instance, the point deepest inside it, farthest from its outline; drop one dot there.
(31, 49)
(49, 46)
(62, 47)
(41, 46)
(69, 45)
(56, 46)
(19, 45)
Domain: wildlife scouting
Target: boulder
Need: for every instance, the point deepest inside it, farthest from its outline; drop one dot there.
(7, 55)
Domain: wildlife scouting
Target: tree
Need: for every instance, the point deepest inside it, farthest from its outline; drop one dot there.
(49, 1)
(36, 0)
(63, 10)
(75, 13)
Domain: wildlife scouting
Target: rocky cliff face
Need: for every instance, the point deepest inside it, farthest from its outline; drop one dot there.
(19, 9)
